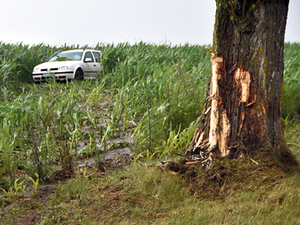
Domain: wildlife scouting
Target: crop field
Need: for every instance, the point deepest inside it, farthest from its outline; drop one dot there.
(147, 99)
(149, 88)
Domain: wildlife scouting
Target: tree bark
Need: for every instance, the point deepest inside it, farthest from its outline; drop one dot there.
(243, 103)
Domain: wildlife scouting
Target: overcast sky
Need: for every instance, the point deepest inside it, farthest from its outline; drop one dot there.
(56, 22)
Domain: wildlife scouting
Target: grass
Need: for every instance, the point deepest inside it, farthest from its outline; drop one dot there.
(146, 195)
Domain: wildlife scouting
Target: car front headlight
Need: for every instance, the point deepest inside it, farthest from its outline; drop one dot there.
(36, 70)
(63, 68)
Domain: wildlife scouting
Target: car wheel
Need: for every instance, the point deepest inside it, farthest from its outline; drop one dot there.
(79, 75)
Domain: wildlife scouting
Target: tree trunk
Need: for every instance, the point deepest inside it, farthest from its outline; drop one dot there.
(243, 103)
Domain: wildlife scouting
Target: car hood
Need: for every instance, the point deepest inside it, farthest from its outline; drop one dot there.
(46, 65)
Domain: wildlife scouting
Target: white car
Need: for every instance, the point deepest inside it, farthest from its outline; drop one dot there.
(72, 64)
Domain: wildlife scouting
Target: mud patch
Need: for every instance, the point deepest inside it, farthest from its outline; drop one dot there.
(32, 206)
(227, 177)
(107, 162)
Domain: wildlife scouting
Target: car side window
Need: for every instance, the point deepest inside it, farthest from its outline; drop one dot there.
(88, 55)
(97, 56)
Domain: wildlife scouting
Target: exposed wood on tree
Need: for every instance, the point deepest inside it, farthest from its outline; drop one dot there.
(219, 123)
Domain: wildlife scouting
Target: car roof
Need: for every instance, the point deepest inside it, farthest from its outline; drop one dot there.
(72, 50)
(79, 50)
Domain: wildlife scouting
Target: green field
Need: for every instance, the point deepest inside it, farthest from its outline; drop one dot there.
(153, 93)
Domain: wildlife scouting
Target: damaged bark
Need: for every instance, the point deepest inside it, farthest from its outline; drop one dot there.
(243, 109)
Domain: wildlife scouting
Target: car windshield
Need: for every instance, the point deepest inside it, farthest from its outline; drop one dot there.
(66, 56)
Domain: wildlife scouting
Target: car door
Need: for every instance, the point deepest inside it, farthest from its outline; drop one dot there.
(90, 67)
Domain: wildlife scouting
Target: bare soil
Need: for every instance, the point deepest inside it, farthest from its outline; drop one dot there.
(34, 207)
(230, 176)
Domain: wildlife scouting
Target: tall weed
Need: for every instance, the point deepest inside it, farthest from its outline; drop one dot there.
(291, 82)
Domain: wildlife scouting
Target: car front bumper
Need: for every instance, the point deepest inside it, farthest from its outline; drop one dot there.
(42, 77)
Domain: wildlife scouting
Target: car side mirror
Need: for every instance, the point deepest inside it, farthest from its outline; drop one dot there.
(88, 60)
